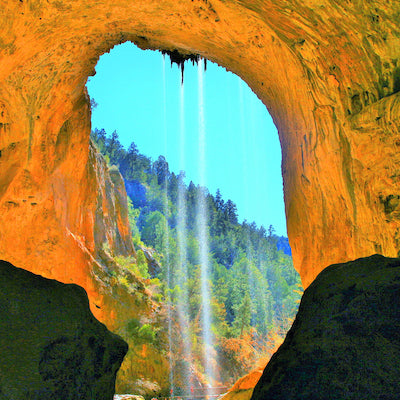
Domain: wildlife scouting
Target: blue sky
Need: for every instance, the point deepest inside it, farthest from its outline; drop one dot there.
(243, 155)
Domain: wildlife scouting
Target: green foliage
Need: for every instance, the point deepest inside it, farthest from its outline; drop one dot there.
(254, 287)
(136, 266)
(141, 334)
(243, 314)
(155, 231)
(133, 215)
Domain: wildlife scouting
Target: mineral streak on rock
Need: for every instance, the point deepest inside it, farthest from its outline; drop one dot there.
(51, 345)
(328, 71)
(344, 343)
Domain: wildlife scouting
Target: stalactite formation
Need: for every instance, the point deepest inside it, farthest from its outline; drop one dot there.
(179, 59)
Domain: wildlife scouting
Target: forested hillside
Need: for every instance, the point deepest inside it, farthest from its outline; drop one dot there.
(254, 287)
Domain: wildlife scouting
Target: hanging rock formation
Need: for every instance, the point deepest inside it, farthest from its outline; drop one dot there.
(51, 345)
(328, 71)
(345, 341)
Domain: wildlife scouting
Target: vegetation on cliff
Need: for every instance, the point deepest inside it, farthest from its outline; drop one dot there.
(254, 287)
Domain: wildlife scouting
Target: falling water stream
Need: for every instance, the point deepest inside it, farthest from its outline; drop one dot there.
(244, 134)
(183, 296)
(165, 205)
(201, 223)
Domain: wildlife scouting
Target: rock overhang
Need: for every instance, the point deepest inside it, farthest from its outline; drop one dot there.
(325, 70)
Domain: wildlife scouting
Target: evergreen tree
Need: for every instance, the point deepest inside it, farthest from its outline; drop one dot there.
(114, 149)
(161, 170)
(99, 137)
(129, 165)
(243, 314)
(219, 201)
(231, 212)
(154, 232)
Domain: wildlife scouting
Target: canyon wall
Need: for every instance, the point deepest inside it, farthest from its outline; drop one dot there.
(328, 71)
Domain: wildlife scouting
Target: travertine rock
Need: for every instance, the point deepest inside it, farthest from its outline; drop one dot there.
(327, 70)
(244, 387)
(51, 345)
(345, 341)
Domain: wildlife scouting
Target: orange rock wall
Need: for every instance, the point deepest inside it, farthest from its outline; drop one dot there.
(328, 71)
(57, 223)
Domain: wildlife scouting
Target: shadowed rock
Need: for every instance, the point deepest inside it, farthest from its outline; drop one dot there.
(51, 346)
(345, 341)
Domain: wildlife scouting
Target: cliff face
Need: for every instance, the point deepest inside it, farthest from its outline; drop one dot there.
(327, 71)
(58, 224)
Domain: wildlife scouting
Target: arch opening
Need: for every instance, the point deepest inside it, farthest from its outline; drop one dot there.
(136, 94)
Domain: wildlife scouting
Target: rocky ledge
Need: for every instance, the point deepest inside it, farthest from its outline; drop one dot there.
(345, 341)
(51, 345)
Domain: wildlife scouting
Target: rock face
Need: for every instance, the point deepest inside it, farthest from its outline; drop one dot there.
(51, 345)
(244, 387)
(72, 216)
(328, 71)
(345, 341)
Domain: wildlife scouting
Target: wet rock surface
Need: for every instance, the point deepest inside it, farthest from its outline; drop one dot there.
(345, 341)
(51, 345)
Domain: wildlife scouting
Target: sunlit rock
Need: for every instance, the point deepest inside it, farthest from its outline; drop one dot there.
(244, 387)
(327, 71)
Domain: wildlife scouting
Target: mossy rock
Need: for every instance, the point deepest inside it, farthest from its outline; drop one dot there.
(51, 345)
(345, 341)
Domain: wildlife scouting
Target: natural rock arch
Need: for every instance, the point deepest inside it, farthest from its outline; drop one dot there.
(328, 71)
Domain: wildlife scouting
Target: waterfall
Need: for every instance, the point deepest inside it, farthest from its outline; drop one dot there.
(202, 217)
(244, 133)
(182, 270)
(167, 261)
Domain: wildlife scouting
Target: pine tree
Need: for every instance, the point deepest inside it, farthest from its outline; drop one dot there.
(231, 212)
(114, 149)
(219, 201)
(243, 314)
(161, 170)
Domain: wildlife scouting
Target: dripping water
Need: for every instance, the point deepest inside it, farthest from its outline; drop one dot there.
(183, 297)
(244, 133)
(167, 261)
(202, 217)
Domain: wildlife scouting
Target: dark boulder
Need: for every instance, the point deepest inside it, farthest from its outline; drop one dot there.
(51, 346)
(345, 341)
